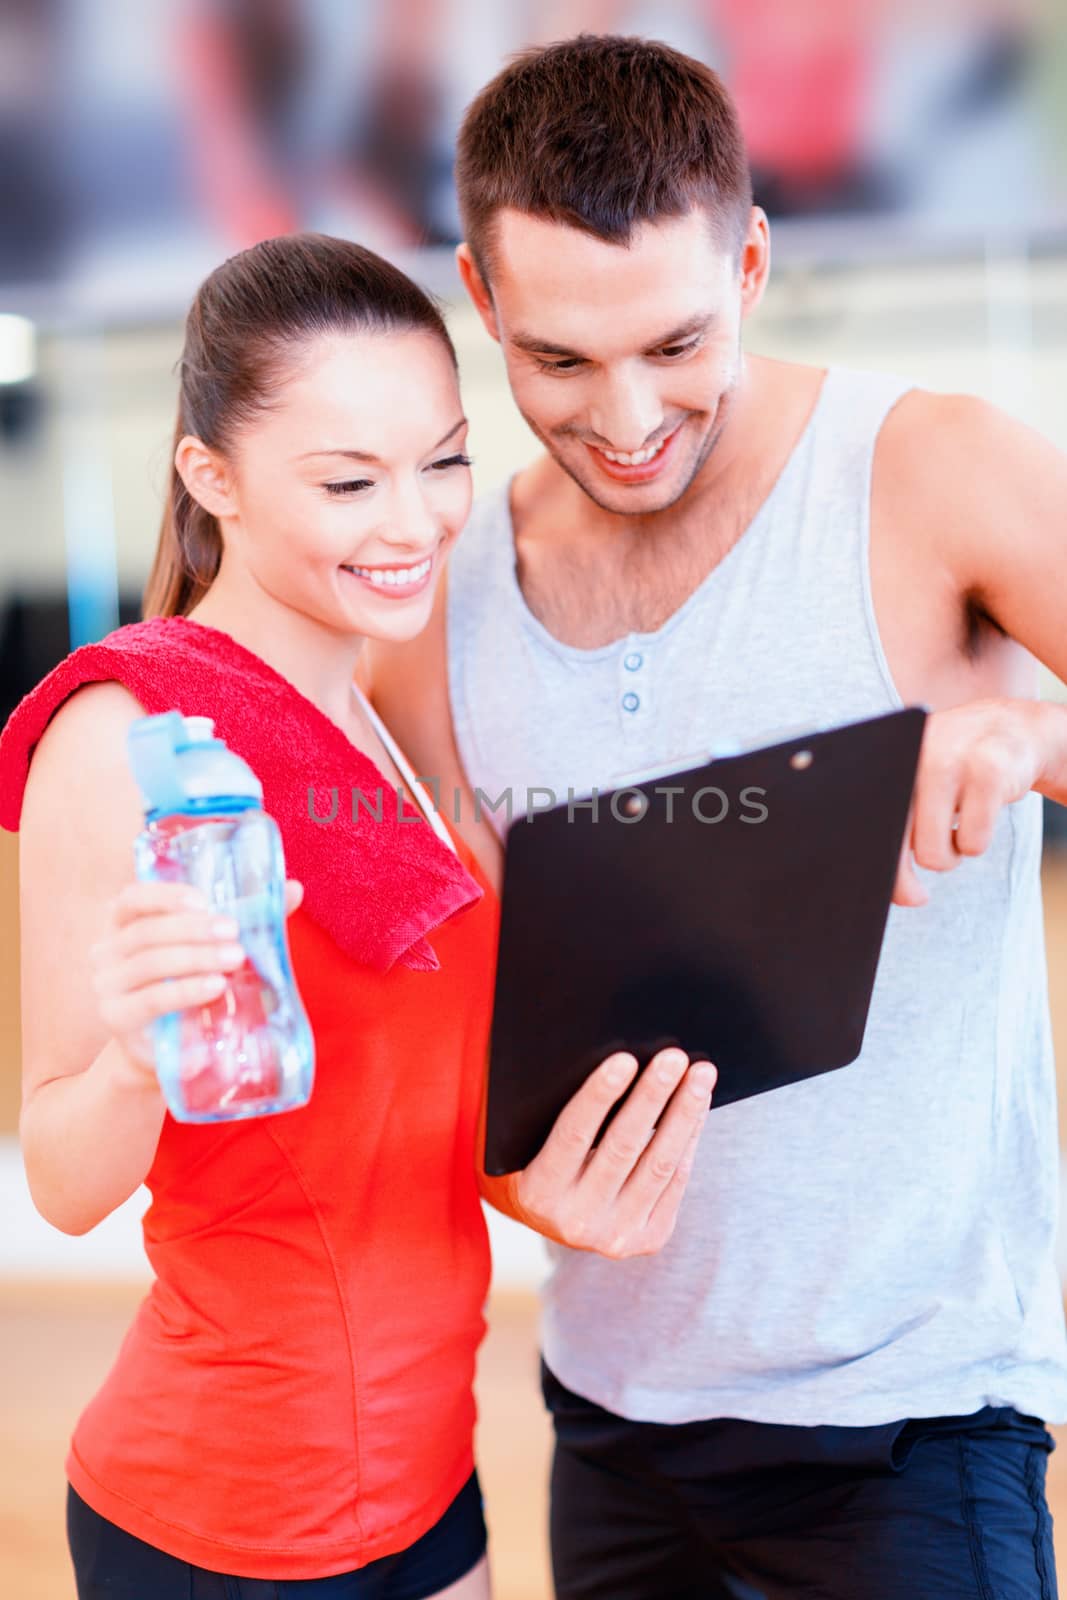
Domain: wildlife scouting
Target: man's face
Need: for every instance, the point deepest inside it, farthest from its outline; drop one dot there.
(622, 359)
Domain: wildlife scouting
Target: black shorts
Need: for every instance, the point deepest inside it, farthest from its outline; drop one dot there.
(112, 1565)
(941, 1508)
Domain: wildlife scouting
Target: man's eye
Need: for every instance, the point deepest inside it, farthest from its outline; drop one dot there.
(673, 351)
(569, 364)
(349, 486)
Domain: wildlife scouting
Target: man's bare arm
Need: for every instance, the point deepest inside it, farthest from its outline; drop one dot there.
(991, 497)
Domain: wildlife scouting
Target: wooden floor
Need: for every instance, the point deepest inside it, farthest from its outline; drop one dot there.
(55, 1345)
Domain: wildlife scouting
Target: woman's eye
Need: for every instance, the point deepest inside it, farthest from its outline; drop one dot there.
(349, 486)
(452, 461)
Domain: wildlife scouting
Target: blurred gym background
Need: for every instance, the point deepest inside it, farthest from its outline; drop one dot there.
(911, 155)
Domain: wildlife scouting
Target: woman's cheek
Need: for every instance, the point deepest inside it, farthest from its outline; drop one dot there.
(454, 504)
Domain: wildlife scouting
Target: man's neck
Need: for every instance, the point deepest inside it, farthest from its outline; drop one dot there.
(545, 484)
(592, 576)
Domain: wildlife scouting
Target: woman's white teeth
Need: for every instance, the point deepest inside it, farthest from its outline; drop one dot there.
(393, 577)
(634, 458)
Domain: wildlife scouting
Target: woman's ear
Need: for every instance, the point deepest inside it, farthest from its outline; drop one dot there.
(206, 475)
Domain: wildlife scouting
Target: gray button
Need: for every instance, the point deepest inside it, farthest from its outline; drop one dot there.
(630, 702)
(634, 661)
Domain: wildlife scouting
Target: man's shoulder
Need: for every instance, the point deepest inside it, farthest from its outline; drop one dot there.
(977, 486)
(938, 446)
(962, 419)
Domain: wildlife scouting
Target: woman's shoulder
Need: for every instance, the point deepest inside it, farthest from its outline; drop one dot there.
(88, 720)
(72, 722)
(80, 759)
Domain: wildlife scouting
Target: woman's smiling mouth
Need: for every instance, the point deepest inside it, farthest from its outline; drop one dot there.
(395, 582)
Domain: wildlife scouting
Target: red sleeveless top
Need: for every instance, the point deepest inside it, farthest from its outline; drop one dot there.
(294, 1399)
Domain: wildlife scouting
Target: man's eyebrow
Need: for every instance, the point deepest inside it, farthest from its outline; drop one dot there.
(544, 347)
(365, 455)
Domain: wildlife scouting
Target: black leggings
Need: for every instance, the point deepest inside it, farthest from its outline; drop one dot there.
(112, 1565)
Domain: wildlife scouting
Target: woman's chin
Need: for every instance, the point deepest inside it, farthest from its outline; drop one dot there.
(392, 620)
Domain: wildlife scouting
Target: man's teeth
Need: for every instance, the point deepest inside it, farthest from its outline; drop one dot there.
(634, 458)
(393, 577)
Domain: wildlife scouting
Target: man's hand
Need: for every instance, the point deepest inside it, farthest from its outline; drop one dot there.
(975, 759)
(621, 1198)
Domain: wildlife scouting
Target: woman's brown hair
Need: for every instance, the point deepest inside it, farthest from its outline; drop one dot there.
(246, 316)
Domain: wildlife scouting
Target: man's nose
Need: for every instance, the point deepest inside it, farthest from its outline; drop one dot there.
(626, 413)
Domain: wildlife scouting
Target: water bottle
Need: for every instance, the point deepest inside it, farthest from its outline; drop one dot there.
(250, 1051)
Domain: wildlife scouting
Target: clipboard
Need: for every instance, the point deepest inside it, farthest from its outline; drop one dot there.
(736, 908)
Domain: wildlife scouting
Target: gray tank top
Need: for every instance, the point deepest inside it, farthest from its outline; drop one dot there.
(877, 1242)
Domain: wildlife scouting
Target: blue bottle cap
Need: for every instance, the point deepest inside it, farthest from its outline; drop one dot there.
(180, 766)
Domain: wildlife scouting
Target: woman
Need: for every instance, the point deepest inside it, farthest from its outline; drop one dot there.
(291, 1411)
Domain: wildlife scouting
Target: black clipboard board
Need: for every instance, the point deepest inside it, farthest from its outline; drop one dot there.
(647, 922)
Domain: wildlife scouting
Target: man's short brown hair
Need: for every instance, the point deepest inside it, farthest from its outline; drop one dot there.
(602, 133)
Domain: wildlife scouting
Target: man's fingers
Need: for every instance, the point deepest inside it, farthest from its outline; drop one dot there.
(909, 889)
(979, 808)
(294, 894)
(566, 1150)
(936, 803)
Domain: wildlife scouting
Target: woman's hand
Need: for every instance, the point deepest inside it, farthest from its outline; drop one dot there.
(619, 1197)
(163, 950)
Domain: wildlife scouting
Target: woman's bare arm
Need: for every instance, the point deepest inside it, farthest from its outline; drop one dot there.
(91, 1117)
(103, 956)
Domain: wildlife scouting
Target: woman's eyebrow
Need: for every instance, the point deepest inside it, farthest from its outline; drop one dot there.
(366, 455)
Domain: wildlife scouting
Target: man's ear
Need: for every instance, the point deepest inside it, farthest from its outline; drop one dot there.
(206, 475)
(755, 261)
(475, 286)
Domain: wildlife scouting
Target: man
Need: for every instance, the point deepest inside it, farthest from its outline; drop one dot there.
(829, 1379)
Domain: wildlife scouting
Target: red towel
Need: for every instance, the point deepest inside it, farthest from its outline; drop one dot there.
(376, 887)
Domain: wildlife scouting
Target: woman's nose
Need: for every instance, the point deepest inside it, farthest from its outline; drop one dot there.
(413, 522)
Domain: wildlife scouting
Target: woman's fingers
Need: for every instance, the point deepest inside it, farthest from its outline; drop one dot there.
(644, 1215)
(140, 899)
(660, 1224)
(619, 1195)
(627, 1138)
(566, 1150)
(181, 928)
(677, 1132)
(144, 899)
(127, 1012)
(158, 963)
(164, 949)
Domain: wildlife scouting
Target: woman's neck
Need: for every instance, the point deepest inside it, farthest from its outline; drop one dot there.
(317, 660)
